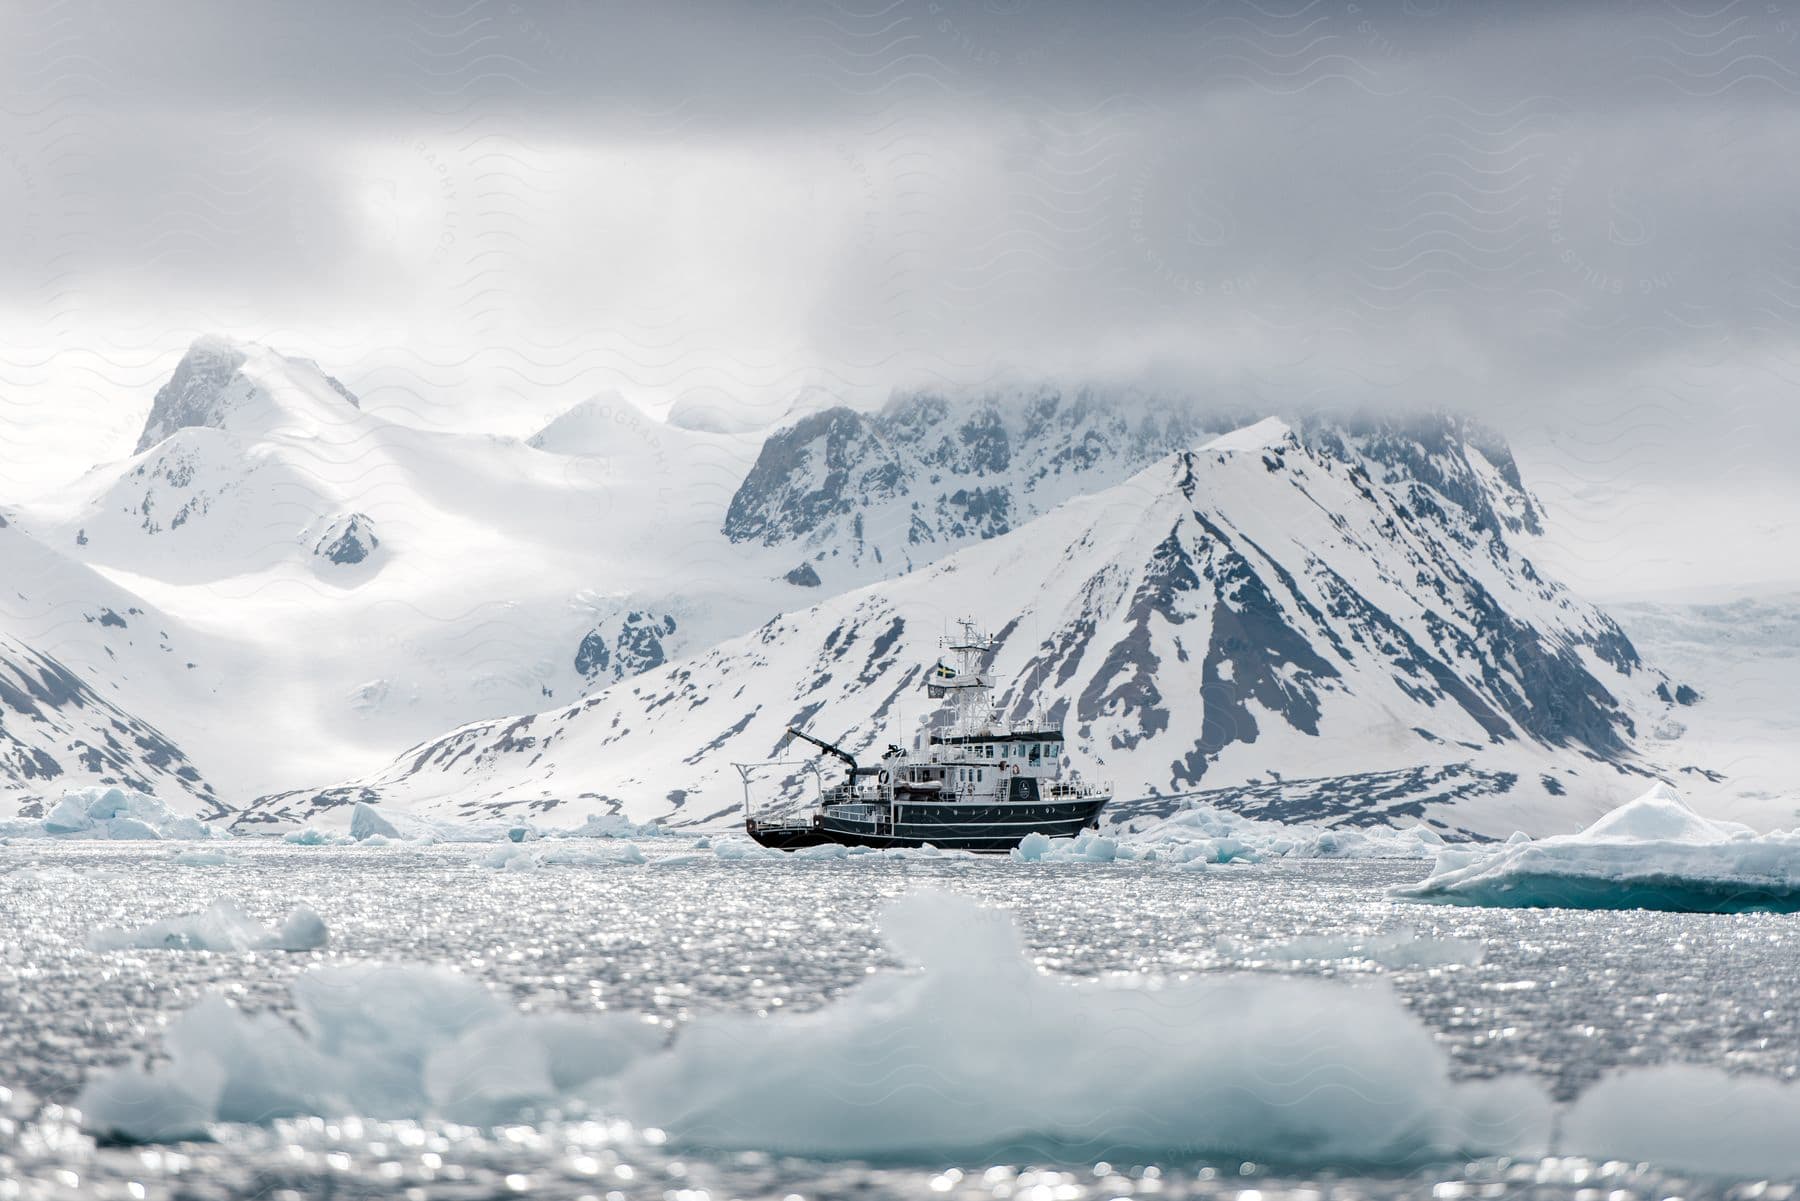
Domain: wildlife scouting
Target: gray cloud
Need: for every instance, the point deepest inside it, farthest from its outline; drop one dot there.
(1577, 220)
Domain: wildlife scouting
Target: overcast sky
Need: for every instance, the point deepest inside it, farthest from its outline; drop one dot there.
(1576, 220)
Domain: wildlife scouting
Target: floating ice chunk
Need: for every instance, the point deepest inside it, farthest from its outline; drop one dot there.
(367, 821)
(1694, 1118)
(113, 813)
(1652, 853)
(973, 1052)
(303, 930)
(1207, 834)
(978, 1053)
(370, 1040)
(608, 825)
(1085, 847)
(743, 848)
(510, 859)
(222, 926)
(312, 836)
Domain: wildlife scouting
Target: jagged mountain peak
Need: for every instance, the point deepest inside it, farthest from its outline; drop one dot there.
(221, 382)
(1463, 460)
(876, 494)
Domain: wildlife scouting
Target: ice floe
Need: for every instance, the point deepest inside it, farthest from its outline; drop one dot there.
(977, 1051)
(1688, 1117)
(1651, 853)
(370, 1040)
(118, 814)
(221, 926)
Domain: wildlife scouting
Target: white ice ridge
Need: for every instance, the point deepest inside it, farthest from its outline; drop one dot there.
(1651, 853)
(221, 926)
(975, 1051)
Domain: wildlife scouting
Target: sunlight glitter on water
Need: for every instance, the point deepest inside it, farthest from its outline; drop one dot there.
(1562, 996)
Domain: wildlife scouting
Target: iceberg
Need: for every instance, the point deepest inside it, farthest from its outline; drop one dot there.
(111, 813)
(970, 1051)
(1650, 853)
(222, 926)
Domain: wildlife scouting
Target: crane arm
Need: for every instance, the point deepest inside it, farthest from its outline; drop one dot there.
(830, 748)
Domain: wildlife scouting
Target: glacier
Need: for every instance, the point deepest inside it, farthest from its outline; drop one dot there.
(1650, 853)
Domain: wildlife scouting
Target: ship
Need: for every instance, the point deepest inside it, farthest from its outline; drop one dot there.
(979, 783)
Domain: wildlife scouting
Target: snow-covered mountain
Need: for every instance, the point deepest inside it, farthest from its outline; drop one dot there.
(361, 584)
(1332, 621)
(94, 687)
(859, 496)
(57, 733)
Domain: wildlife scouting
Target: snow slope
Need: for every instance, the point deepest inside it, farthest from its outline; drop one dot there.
(355, 584)
(1329, 624)
(97, 687)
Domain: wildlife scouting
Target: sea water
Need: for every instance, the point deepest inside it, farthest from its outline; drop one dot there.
(1563, 997)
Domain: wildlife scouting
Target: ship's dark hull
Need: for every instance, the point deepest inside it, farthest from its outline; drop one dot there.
(991, 828)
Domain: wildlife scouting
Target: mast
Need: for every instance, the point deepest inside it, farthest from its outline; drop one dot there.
(966, 684)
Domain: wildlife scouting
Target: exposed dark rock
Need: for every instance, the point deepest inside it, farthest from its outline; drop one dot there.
(803, 576)
(191, 396)
(348, 540)
(635, 646)
(47, 710)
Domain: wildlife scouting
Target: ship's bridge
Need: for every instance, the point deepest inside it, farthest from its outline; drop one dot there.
(1027, 746)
